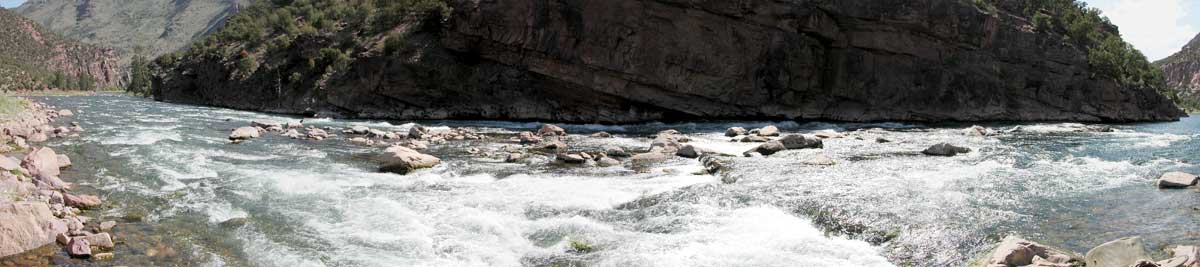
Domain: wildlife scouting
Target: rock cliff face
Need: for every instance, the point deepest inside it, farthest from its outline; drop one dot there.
(1183, 72)
(619, 61)
(32, 56)
(146, 27)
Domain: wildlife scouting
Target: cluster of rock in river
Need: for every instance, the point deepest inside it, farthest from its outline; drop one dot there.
(403, 155)
(1124, 252)
(37, 208)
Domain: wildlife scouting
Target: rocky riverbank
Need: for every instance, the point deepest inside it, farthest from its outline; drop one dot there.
(38, 207)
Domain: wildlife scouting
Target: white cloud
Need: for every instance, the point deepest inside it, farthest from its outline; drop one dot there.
(1158, 28)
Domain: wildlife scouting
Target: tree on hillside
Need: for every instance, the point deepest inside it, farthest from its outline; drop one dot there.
(139, 76)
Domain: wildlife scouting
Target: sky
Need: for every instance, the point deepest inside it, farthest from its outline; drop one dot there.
(11, 3)
(1158, 28)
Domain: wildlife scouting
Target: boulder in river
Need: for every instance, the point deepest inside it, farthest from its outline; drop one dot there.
(602, 135)
(570, 158)
(1176, 180)
(690, 151)
(668, 141)
(266, 124)
(293, 125)
(754, 139)
(402, 160)
(244, 133)
(945, 150)
(735, 131)
(1117, 253)
(607, 162)
(976, 130)
(358, 129)
(796, 141)
(769, 130)
(529, 138)
(316, 134)
(66, 113)
(766, 149)
(417, 132)
(1014, 251)
(551, 130)
(616, 151)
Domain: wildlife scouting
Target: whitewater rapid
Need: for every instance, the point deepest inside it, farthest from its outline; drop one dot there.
(281, 202)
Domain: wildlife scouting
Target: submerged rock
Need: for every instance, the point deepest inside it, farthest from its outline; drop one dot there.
(1176, 180)
(316, 134)
(402, 160)
(1117, 253)
(570, 158)
(819, 160)
(514, 157)
(946, 150)
(266, 124)
(244, 133)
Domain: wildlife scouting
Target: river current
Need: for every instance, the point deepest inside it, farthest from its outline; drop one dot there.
(185, 196)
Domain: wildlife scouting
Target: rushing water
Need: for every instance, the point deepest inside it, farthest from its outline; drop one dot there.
(186, 197)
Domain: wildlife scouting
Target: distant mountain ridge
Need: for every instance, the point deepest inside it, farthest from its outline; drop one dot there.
(34, 58)
(1183, 73)
(134, 27)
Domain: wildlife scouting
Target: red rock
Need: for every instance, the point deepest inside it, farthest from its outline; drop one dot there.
(101, 240)
(82, 201)
(64, 161)
(9, 164)
(79, 247)
(25, 226)
(42, 162)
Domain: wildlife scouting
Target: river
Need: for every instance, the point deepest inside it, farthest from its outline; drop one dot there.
(185, 196)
